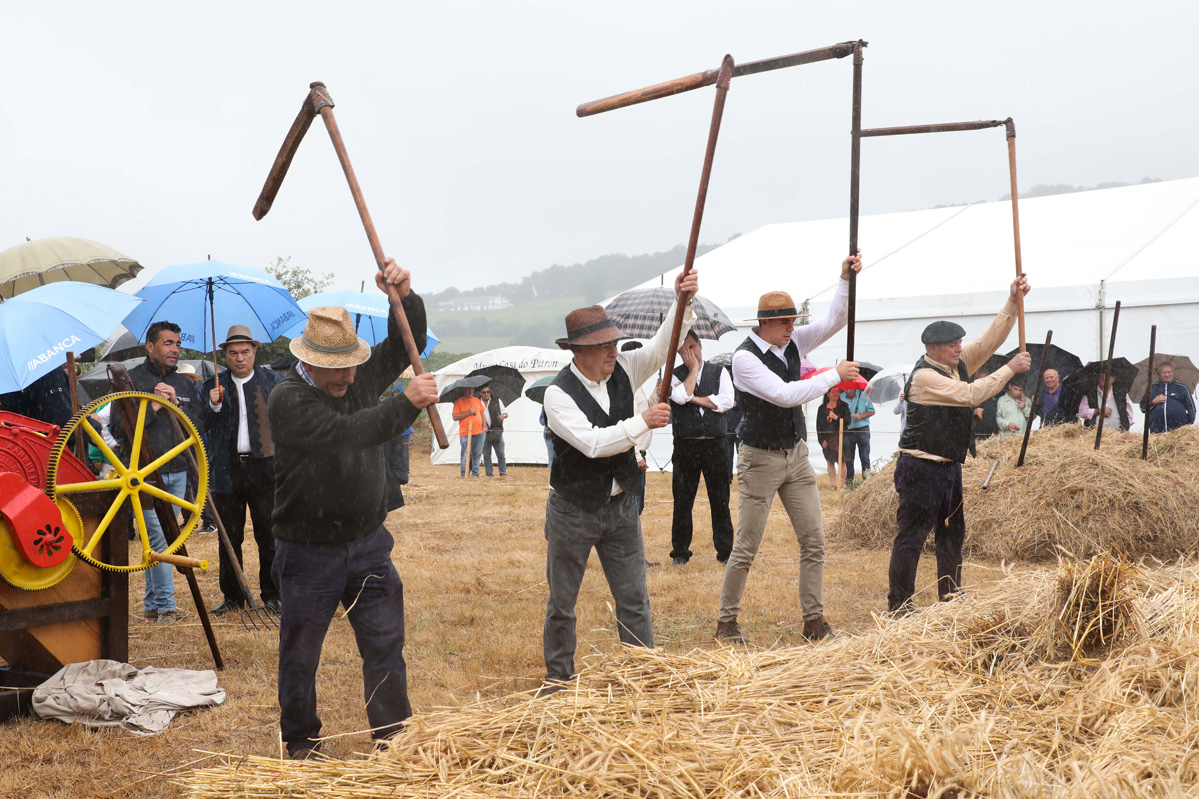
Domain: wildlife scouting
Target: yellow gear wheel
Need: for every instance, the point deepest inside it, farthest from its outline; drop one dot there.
(130, 480)
(22, 574)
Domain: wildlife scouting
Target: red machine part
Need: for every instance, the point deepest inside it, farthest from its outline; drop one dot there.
(25, 448)
(34, 522)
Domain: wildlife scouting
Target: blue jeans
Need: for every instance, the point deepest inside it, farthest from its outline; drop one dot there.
(859, 441)
(160, 579)
(494, 441)
(472, 447)
(313, 580)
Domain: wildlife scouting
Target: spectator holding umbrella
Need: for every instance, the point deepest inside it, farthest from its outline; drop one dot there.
(468, 413)
(830, 418)
(1171, 406)
(494, 414)
(1051, 406)
(857, 431)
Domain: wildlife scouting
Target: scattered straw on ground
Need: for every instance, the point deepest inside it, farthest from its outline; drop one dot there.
(1079, 683)
(1065, 496)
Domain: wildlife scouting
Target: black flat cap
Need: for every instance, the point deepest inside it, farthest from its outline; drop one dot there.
(942, 333)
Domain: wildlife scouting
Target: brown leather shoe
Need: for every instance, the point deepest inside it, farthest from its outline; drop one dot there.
(730, 631)
(817, 629)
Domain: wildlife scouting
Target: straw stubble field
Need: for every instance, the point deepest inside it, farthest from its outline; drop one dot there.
(472, 557)
(1054, 680)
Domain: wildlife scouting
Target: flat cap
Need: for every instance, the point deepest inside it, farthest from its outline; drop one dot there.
(942, 333)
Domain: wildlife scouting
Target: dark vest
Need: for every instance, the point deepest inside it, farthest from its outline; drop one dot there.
(587, 482)
(763, 424)
(1121, 397)
(686, 419)
(493, 410)
(942, 430)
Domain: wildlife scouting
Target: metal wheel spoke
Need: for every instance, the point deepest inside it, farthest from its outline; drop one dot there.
(138, 427)
(91, 485)
(140, 516)
(97, 439)
(165, 458)
(108, 517)
(155, 491)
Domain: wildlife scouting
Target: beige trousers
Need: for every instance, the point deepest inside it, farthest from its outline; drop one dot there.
(762, 473)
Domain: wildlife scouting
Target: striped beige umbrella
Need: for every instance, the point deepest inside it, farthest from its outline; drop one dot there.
(35, 263)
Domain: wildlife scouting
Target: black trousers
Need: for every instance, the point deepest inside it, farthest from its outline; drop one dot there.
(360, 577)
(930, 500)
(694, 457)
(253, 489)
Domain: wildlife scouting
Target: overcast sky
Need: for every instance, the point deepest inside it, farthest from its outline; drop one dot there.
(151, 126)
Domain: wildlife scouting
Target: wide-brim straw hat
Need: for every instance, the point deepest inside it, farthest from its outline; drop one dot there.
(329, 340)
(775, 305)
(587, 327)
(239, 334)
(189, 371)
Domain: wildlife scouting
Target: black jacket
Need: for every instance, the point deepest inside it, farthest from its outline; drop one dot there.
(221, 426)
(160, 433)
(330, 483)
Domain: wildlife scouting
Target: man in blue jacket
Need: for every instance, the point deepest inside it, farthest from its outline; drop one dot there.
(242, 462)
(1171, 405)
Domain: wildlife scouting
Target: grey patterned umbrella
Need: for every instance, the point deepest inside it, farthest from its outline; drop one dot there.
(640, 312)
(454, 390)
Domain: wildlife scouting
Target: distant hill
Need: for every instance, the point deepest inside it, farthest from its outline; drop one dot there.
(1048, 189)
(594, 280)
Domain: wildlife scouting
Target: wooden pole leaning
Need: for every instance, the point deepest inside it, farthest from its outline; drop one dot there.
(393, 294)
(724, 75)
(1149, 393)
(1036, 392)
(1110, 378)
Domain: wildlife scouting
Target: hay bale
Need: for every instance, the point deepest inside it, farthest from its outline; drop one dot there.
(967, 698)
(1066, 497)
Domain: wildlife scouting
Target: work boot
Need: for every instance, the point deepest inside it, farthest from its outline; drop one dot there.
(228, 606)
(817, 629)
(730, 631)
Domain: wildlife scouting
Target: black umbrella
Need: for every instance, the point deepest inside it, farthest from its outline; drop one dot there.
(640, 312)
(1084, 382)
(454, 390)
(1066, 363)
(868, 370)
(536, 392)
(990, 365)
(506, 382)
(97, 384)
(284, 362)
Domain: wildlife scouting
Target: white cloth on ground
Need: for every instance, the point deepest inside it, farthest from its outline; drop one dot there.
(105, 693)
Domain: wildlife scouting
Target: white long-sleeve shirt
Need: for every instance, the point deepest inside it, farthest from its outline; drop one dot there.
(753, 377)
(722, 399)
(569, 422)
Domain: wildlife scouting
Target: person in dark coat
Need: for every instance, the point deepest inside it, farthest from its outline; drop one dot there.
(242, 462)
(1053, 405)
(331, 547)
(831, 416)
(159, 375)
(1171, 406)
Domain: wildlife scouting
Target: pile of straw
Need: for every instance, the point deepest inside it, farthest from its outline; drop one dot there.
(1082, 683)
(1066, 496)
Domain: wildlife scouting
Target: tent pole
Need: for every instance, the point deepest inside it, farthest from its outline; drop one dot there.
(1145, 421)
(1110, 378)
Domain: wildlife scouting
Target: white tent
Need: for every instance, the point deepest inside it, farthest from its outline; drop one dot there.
(523, 441)
(1082, 253)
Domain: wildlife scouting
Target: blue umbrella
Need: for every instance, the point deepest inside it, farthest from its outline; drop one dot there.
(369, 313)
(38, 328)
(191, 294)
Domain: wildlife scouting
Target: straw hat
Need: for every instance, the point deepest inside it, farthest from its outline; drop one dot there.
(189, 371)
(238, 333)
(587, 327)
(775, 305)
(328, 340)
